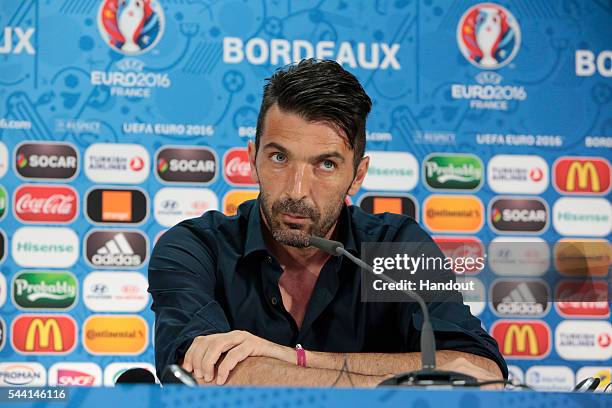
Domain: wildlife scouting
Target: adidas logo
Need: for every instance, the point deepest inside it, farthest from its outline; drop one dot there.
(520, 301)
(116, 252)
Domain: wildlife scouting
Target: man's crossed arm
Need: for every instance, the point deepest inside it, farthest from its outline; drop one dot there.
(241, 358)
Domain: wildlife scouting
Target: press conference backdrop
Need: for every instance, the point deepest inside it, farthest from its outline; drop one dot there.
(118, 119)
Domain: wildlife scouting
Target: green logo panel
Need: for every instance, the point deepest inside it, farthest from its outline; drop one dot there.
(44, 290)
(453, 172)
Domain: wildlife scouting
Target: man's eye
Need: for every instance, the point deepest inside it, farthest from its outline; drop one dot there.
(278, 157)
(328, 165)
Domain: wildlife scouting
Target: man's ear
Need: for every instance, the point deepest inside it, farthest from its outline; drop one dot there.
(252, 156)
(360, 174)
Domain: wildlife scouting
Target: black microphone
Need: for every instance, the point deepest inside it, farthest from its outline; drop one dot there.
(428, 375)
(175, 374)
(589, 384)
(136, 376)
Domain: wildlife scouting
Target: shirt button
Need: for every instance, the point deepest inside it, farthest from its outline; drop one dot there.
(274, 300)
(268, 259)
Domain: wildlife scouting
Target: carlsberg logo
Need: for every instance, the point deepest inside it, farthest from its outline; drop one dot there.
(453, 172)
(44, 290)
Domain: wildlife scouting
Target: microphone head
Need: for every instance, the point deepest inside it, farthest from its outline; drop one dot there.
(136, 376)
(326, 245)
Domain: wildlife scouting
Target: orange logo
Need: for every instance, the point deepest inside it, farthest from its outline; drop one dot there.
(109, 334)
(116, 206)
(582, 175)
(522, 339)
(44, 334)
(234, 198)
(453, 213)
(583, 257)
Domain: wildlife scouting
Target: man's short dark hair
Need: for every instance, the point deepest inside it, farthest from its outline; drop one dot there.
(320, 91)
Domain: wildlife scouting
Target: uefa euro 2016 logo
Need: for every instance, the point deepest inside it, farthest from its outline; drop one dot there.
(131, 27)
(488, 36)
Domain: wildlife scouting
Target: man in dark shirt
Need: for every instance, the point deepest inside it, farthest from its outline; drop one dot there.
(244, 300)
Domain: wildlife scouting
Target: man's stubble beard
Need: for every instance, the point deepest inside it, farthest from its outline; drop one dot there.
(295, 235)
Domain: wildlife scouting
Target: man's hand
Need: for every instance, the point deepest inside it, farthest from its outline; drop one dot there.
(227, 350)
(462, 365)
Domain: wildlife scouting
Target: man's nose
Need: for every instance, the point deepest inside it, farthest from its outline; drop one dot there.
(301, 182)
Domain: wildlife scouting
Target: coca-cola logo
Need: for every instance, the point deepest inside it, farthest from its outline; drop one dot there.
(42, 203)
(186, 165)
(236, 167)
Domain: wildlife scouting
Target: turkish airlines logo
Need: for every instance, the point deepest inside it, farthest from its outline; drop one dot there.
(236, 167)
(46, 204)
(46, 161)
(582, 299)
(526, 215)
(43, 334)
(522, 339)
(517, 174)
(117, 163)
(186, 165)
(113, 248)
(584, 340)
(582, 175)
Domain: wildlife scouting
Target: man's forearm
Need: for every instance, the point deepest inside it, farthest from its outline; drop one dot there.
(270, 371)
(385, 364)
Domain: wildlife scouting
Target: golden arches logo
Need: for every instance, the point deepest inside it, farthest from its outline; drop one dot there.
(521, 336)
(44, 330)
(583, 172)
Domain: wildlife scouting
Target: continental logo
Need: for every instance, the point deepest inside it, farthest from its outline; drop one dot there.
(583, 257)
(234, 198)
(453, 214)
(582, 175)
(43, 334)
(108, 334)
(522, 339)
(453, 172)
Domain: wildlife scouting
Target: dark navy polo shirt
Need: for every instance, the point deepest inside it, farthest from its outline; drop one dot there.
(214, 274)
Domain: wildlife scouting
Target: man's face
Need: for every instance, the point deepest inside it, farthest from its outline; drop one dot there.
(305, 170)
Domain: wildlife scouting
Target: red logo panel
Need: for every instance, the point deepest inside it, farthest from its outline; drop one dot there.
(47, 204)
(582, 175)
(236, 167)
(522, 339)
(582, 299)
(43, 334)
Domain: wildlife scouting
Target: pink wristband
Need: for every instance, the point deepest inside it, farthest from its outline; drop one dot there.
(301, 355)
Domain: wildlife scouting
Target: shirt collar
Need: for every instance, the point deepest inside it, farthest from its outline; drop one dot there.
(255, 239)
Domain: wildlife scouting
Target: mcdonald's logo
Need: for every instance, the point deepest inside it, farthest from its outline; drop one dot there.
(43, 334)
(582, 175)
(522, 339)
